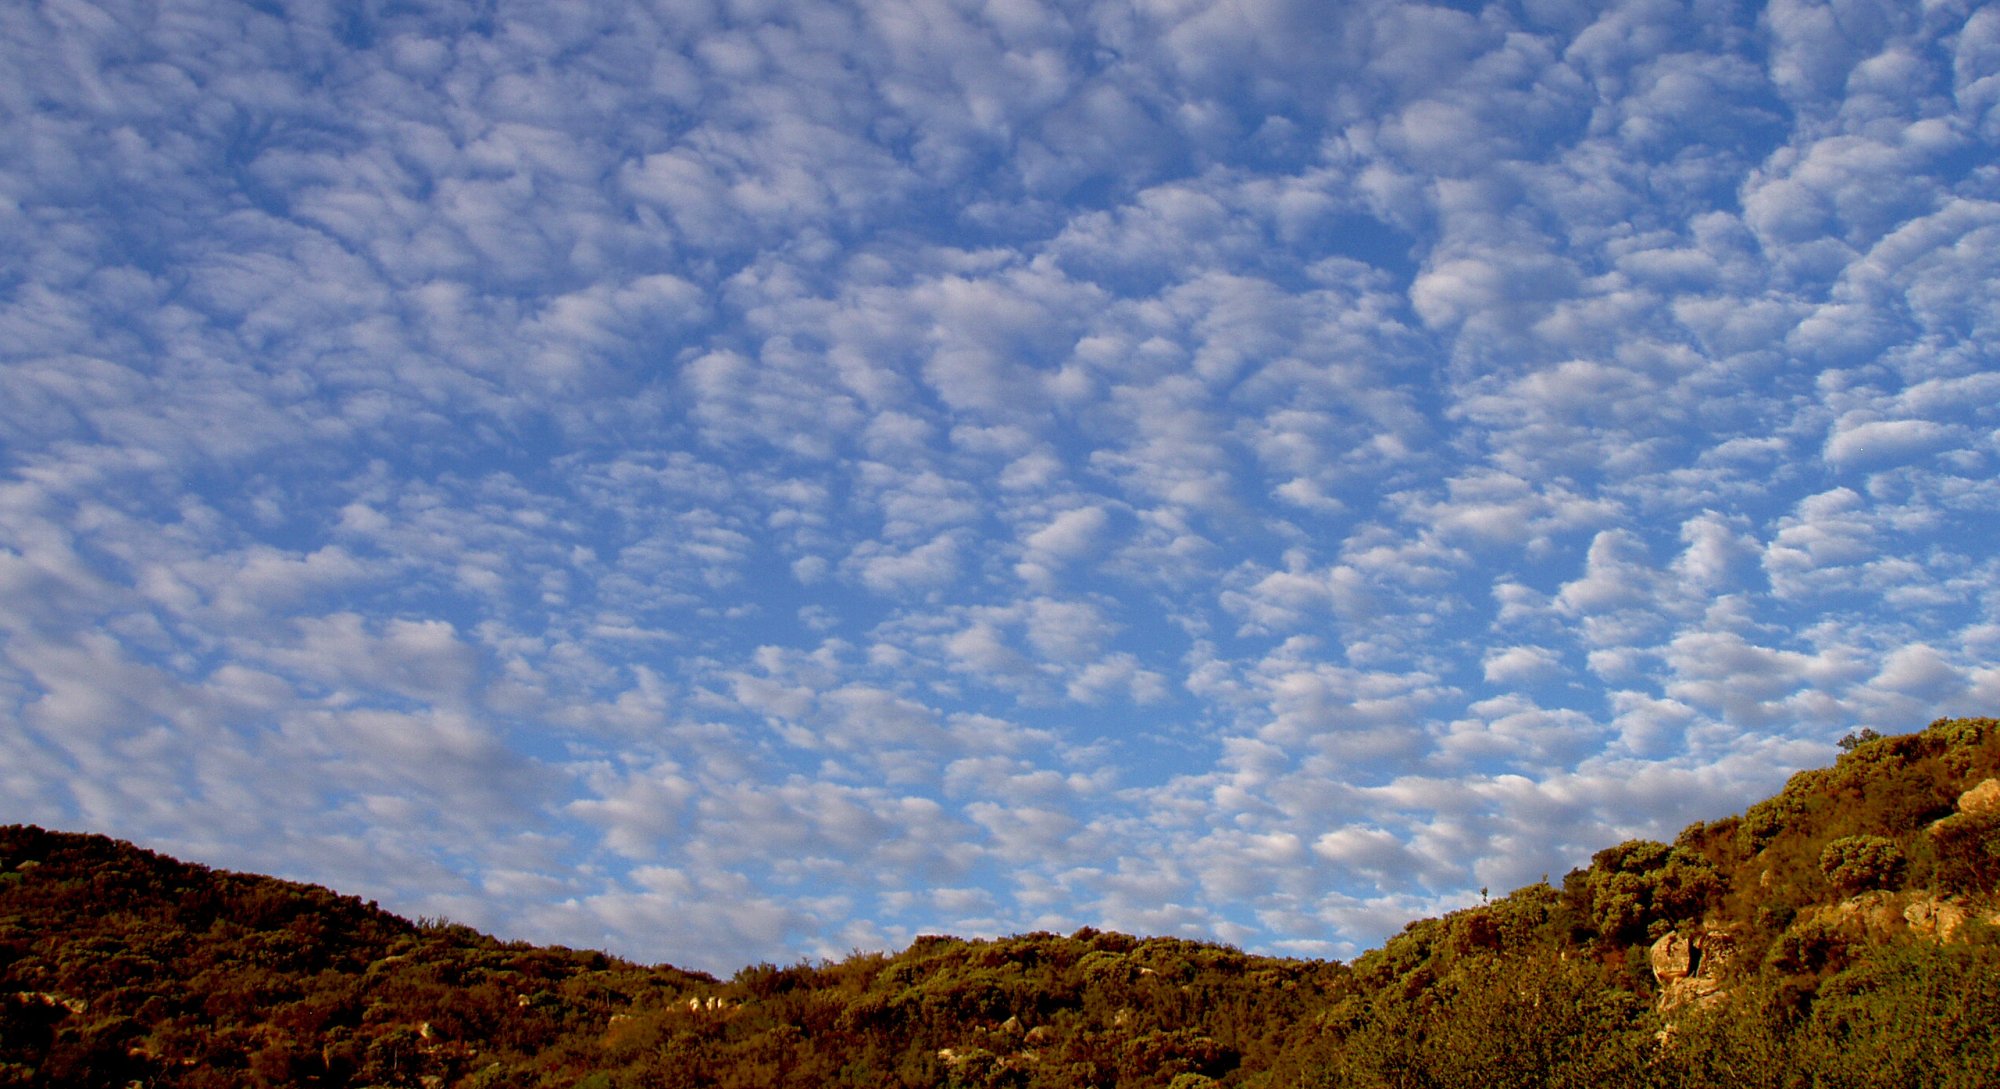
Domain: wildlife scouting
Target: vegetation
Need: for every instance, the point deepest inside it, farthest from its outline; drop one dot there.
(1833, 935)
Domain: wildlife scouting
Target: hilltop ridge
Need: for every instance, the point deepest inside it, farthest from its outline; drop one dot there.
(1839, 933)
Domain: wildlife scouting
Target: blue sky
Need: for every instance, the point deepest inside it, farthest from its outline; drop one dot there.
(747, 480)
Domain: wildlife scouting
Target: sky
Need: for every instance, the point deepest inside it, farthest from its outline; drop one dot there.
(727, 481)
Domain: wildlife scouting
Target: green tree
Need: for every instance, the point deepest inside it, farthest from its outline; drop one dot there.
(1854, 863)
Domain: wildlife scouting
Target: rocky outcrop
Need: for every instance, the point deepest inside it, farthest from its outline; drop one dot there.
(1887, 916)
(1673, 957)
(1982, 800)
(1689, 967)
(1938, 920)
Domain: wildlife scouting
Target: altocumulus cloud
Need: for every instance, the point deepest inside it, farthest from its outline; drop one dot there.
(746, 481)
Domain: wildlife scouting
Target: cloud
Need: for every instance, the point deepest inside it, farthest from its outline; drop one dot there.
(1878, 441)
(1251, 471)
(1519, 663)
(1757, 685)
(1067, 537)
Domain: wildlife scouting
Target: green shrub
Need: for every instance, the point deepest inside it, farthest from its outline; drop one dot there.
(1912, 1015)
(1640, 888)
(1854, 863)
(1967, 850)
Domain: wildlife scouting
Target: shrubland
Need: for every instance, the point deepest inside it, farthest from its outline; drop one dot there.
(1838, 934)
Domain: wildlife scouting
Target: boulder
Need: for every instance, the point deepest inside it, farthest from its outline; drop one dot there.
(1937, 920)
(1672, 957)
(1688, 967)
(1982, 800)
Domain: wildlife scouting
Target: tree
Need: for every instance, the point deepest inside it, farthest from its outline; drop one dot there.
(1854, 863)
(1858, 738)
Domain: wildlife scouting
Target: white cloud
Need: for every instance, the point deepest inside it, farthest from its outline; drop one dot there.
(1249, 471)
(1876, 442)
(1757, 685)
(1830, 531)
(1068, 536)
(1511, 665)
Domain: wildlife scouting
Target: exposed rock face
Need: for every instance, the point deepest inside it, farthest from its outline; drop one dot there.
(1688, 967)
(1937, 920)
(1887, 916)
(1673, 957)
(1982, 800)
(1876, 913)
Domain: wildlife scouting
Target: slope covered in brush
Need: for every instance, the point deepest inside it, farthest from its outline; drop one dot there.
(1836, 934)
(119, 965)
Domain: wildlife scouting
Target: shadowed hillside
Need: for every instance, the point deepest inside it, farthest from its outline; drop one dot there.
(1837, 934)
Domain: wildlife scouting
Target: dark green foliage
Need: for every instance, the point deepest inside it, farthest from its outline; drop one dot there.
(1917, 1014)
(1914, 1014)
(1640, 889)
(1857, 739)
(1529, 1021)
(1854, 863)
(118, 966)
(1966, 853)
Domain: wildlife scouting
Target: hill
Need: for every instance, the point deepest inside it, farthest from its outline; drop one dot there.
(1837, 934)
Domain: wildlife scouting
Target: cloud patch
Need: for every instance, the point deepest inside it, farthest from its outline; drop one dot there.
(729, 485)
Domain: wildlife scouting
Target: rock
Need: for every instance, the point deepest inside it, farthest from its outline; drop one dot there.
(1718, 951)
(1880, 913)
(1686, 992)
(1672, 957)
(1982, 800)
(1938, 920)
(1688, 967)
(1885, 916)
(73, 1005)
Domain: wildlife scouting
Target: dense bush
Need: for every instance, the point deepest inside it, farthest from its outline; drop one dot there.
(1854, 863)
(1640, 889)
(1967, 852)
(118, 966)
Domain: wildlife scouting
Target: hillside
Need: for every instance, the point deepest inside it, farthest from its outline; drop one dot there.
(1837, 934)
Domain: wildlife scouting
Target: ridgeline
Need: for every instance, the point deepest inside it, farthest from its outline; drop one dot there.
(1839, 934)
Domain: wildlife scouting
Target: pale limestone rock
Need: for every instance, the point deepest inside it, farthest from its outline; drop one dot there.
(1672, 957)
(1888, 916)
(1937, 920)
(73, 1005)
(1718, 951)
(1689, 967)
(1981, 800)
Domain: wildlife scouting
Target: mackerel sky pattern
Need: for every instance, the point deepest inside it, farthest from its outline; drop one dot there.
(731, 481)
